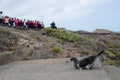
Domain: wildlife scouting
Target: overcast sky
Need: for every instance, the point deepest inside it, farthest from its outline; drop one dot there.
(70, 14)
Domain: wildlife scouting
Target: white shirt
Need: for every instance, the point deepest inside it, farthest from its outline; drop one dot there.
(0, 16)
(6, 20)
(24, 22)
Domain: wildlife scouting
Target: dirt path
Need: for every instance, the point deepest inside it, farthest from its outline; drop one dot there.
(113, 72)
(51, 69)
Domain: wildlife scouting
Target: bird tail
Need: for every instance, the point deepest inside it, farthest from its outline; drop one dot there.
(101, 52)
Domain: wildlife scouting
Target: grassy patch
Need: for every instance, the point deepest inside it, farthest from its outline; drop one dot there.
(110, 45)
(108, 62)
(110, 54)
(62, 34)
(36, 36)
(59, 40)
(117, 62)
(56, 49)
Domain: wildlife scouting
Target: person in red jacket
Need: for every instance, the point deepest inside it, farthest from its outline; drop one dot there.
(3, 20)
(35, 24)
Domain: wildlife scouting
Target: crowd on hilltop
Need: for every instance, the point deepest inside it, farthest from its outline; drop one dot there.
(19, 23)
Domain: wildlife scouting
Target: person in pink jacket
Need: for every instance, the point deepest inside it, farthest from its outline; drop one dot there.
(16, 22)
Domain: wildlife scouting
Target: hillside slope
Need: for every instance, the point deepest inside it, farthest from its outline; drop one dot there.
(51, 43)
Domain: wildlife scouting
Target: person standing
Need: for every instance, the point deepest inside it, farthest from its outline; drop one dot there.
(0, 17)
(25, 24)
(42, 25)
(11, 22)
(35, 24)
(53, 25)
(16, 22)
(7, 21)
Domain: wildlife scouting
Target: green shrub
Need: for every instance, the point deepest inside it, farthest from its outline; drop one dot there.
(117, 62)
(59, 40)
(110, 54)
(110, 45)
(62, 34)
(36, 36)
(56, 49)
(118, 55)
(108, 62)
(111, 49)
(68, 36)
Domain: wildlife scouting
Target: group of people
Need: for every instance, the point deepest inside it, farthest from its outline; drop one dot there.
(19, 23)
(15, 22)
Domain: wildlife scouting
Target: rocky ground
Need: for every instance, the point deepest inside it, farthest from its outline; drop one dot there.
(32, 44)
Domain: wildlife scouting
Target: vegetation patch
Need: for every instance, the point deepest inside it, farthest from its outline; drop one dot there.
(62, 34)
(110, 45)
(110, 54)
(59, 40)
(108, 62)
(117, 62)
(36, 36)
(56, 49)
(84, 52)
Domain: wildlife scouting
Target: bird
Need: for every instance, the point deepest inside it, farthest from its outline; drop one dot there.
(83, 63)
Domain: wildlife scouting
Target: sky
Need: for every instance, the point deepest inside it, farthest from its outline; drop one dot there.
(73, 15)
